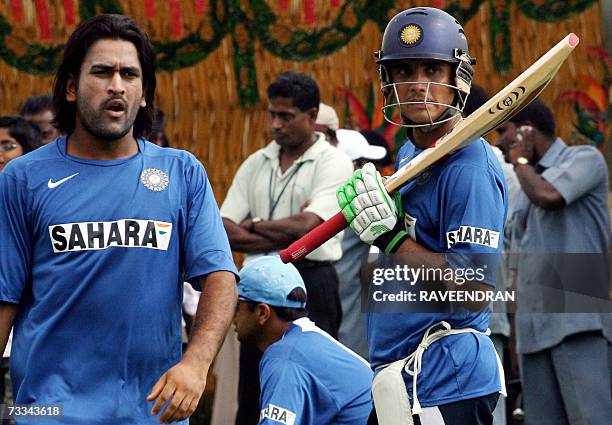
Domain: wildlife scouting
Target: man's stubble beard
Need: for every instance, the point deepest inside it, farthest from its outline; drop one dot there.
(88, 118)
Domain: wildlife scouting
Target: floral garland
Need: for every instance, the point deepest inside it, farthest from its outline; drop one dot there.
(244, 24)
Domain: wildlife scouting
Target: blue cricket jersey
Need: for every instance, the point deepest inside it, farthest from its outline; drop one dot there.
(309, 378)
(457, 207)
(95, 253)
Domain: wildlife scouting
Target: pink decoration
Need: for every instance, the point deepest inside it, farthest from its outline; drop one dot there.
(175, 13)
(17, 11)
(42, 9)
(309, 12)
(201, 7)
(69, 11)
(149, 8)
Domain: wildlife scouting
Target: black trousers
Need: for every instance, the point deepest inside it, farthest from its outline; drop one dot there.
(324, 309)
(473, 411)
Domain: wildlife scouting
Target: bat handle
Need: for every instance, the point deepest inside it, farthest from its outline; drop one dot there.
(314, 239)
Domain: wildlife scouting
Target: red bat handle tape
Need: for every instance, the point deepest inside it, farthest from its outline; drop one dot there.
(313, 239)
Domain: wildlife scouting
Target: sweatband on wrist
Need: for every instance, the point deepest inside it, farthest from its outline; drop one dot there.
(389, 242)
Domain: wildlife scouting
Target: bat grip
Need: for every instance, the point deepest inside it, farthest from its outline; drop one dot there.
(314, 239)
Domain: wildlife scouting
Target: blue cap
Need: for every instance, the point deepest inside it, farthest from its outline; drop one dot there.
(268, 280)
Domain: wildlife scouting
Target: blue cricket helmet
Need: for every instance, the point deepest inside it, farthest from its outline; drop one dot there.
(426, 33)
(423, 33)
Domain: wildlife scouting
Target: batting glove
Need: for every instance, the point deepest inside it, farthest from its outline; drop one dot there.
(371, 212)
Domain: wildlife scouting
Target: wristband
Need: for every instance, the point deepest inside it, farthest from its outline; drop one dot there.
(389, 242)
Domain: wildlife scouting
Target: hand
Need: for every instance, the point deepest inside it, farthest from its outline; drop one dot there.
(183, 384)
(247, 224)
(523, 145)
(366, 205)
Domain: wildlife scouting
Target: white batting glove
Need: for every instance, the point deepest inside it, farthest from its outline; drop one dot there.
(366, 205)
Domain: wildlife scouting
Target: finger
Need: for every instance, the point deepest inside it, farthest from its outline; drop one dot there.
(193, 406)
(369, 168)
(341, 198)
(361, 202)
(169, 414)
(183, 410)
(165, 395)
(357, 228)
(157, 387)
(360, 187)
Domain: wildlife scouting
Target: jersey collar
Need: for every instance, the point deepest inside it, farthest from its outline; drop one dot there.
(552, 154)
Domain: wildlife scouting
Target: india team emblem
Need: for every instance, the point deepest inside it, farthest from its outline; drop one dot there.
(411, 35)
(154, 179)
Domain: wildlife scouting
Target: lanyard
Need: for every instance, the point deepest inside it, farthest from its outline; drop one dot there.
(272, 203)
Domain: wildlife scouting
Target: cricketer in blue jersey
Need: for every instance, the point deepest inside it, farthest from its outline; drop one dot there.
(98, 231)
(306, 376)
(452, 211)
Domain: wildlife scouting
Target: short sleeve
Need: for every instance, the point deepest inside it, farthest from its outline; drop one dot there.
(236, 203)
(15, 238)
(206, 247)
(472, 218)
(578, 174)
(332, 170)
(284, 394)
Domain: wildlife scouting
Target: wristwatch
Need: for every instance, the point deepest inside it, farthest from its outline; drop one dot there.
(521, 160)
(253, 221)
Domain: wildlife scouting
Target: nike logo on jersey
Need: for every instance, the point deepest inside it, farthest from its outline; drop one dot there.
(277, 414)
(473, 235)
(52, 185)
(128, 233)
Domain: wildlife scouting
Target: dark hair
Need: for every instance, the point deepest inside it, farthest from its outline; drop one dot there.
(36, 104)
(478, 97)
(287, 314)
(538, 114)
(299, 87)
(114, 27)
(28, 135)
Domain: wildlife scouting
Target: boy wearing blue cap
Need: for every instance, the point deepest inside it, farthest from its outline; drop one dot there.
(306, 376)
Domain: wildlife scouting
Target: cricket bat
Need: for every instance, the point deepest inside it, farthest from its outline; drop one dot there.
(510, 100)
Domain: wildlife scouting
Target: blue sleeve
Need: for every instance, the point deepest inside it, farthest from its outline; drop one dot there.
(472, 218)
(14, 238)
(579, 174)
(284, 394)
(206, 248)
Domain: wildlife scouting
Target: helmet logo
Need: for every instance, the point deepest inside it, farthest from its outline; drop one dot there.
(411, 35)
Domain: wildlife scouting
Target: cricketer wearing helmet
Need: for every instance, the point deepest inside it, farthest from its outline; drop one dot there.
(454, 210)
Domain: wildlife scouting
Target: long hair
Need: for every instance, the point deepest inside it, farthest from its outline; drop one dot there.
(114, 27)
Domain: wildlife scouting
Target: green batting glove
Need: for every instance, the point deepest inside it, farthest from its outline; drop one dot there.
(367, 207)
